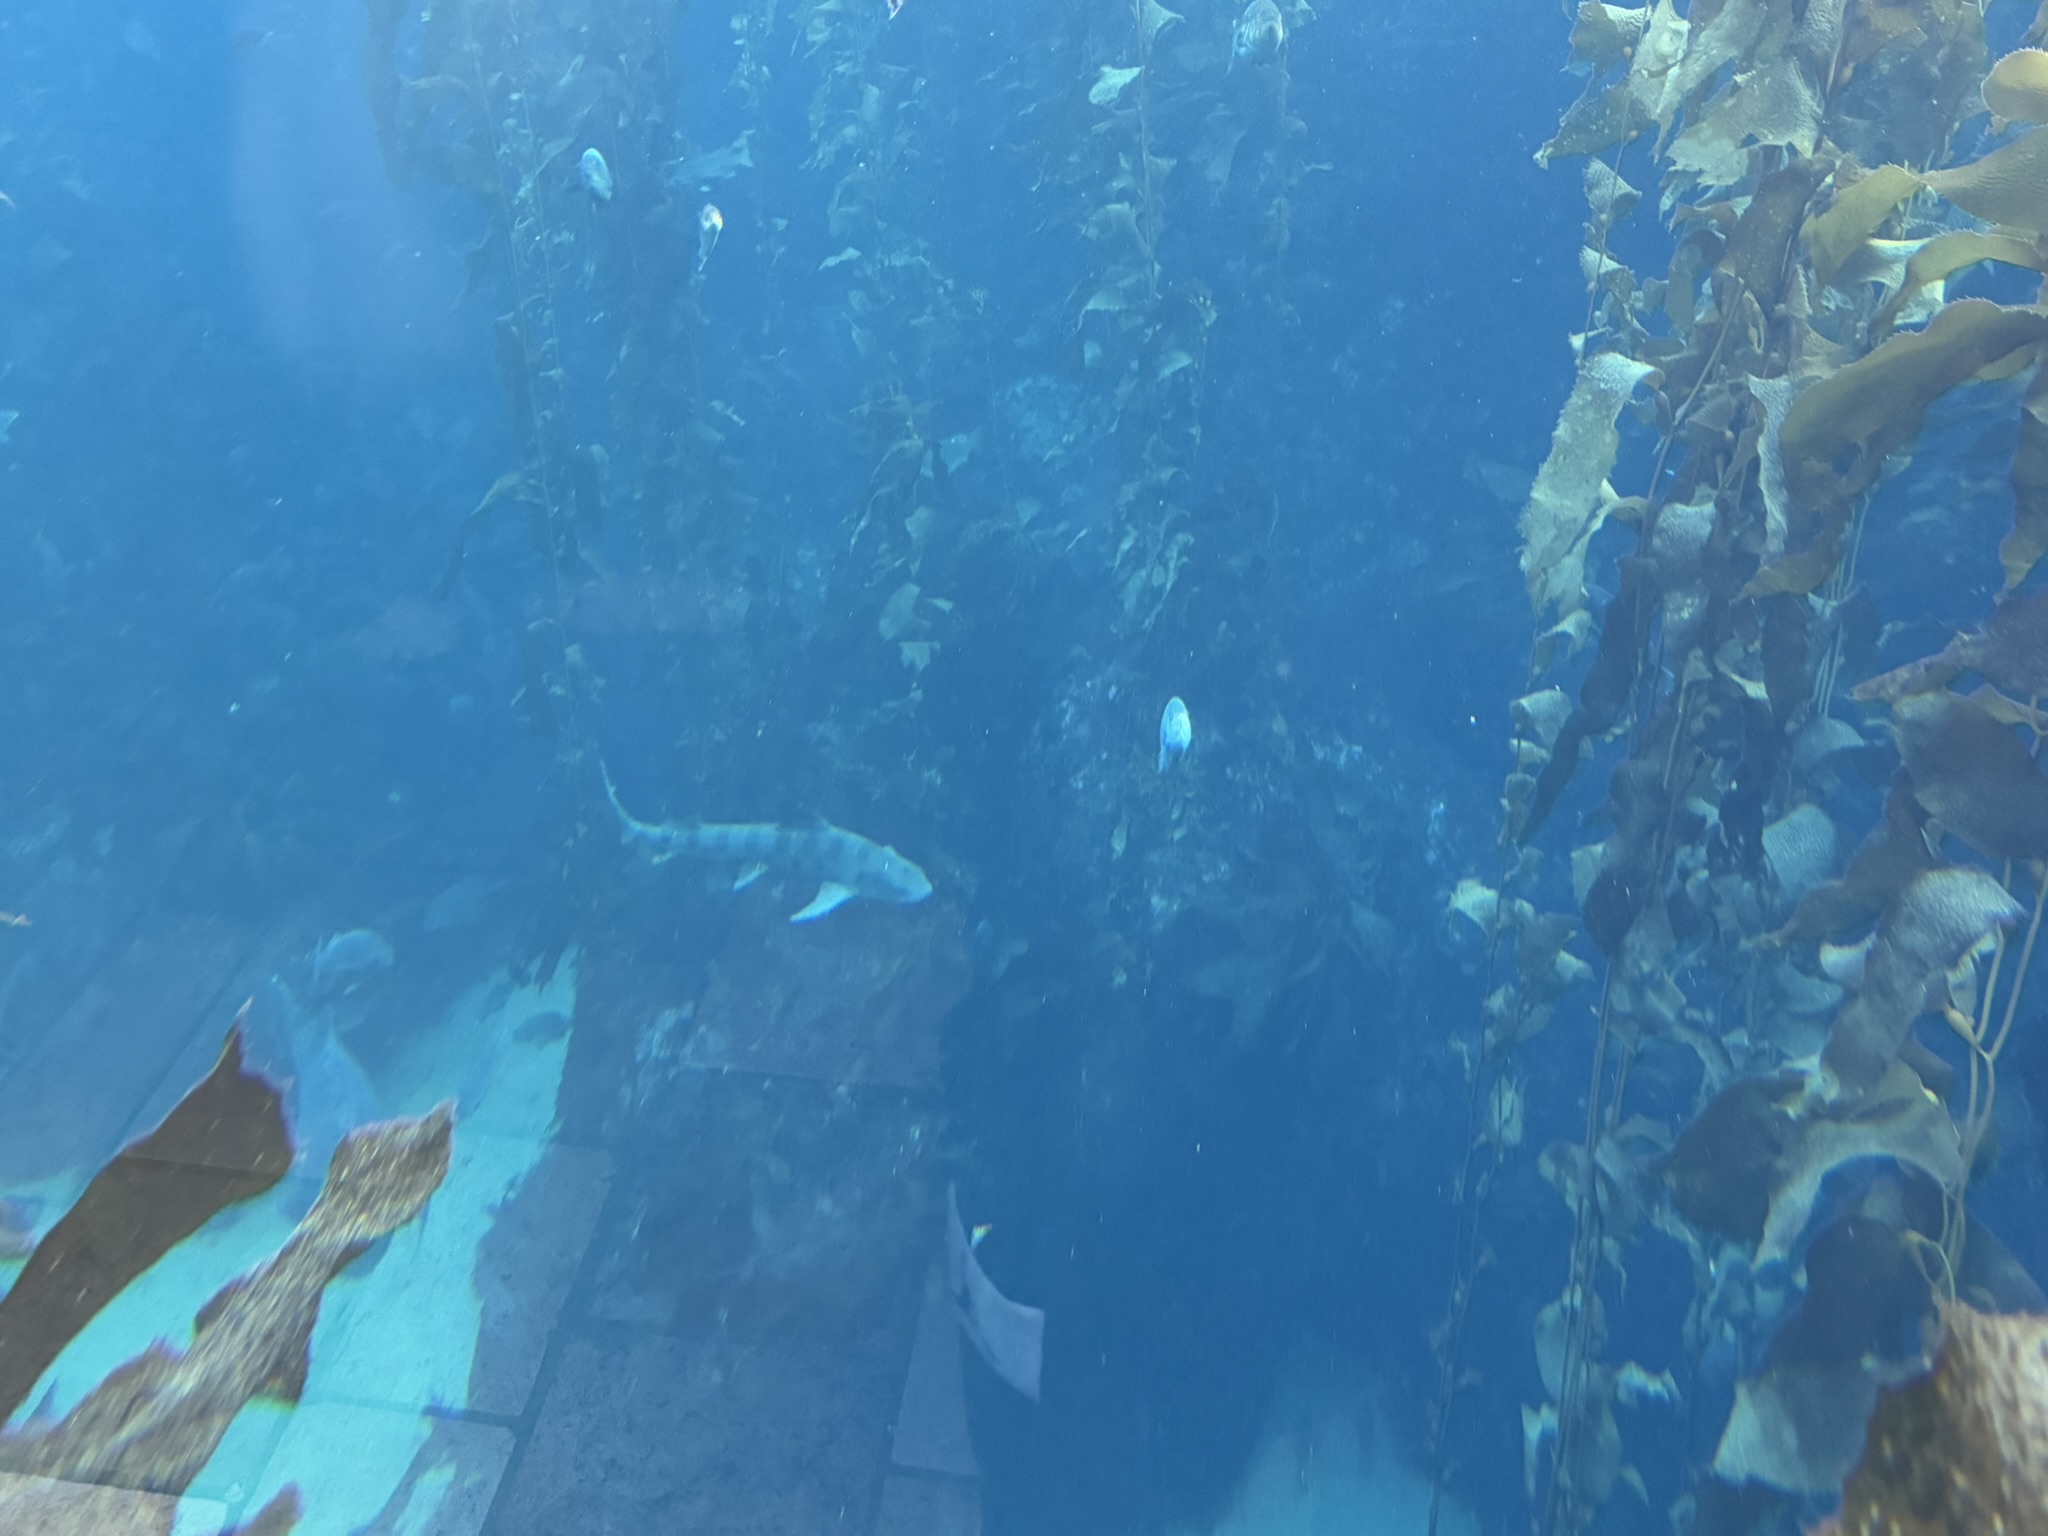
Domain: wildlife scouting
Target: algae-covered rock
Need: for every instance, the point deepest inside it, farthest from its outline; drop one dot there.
(1965, 1450)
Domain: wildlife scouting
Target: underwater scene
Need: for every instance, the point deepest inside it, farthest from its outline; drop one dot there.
(920, 767)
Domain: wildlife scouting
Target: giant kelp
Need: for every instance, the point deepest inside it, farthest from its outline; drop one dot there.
(1174, 115)
(917, 332)
(500, 98)
(1786, 364)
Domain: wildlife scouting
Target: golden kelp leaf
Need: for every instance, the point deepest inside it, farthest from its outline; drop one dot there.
(2017, 87)
(1895, 851)
(1602, 35)
(2008, 711)
(1587, 862)
(1476, 903)
(1800, 849)
(157, 1420)
(1973, 775)
(2009, 186)
(2010, 653)
(1604, 694)
(1776, 397)
(1965, 1449)
(1833, 237)
(1607, 114)
(224, 1142)
(1729, 38)
(1939, 259)
(1608, 197)
(1720, 1171)
(899, 613)
(1598, 269)
(1868, 410)
(1155, 17)
(1503, 1124)
(1879, 399)
(1540, 716)
(1937, 919)
(1115, 222)
(1797, 1423)
(1882, 264)
(1569, 499)
(1763, 237)
(2023, 548)
(1794, 1427)
(1679, 538)
(1897, 1118)
(1772, 105)
(1110, 83)
(1545, 966)
(1562, 641)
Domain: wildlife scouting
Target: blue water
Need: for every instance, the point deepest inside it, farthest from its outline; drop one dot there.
(272, 674)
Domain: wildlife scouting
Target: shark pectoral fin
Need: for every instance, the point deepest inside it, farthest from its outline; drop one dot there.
(748, 876)
(830, 895)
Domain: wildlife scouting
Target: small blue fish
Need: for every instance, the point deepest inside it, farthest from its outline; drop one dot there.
(346, 958)
(597, 176)
(327, 1093)
(1176, 732)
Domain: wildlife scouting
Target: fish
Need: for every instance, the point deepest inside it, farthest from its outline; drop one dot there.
(716, 164)
(1176, 731)
(326, 1090)
(597, 176)
(710, 223)
(845, 864)
(344, 959)
(1261, 34)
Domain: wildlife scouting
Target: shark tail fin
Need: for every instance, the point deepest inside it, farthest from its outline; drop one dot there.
(611, 793)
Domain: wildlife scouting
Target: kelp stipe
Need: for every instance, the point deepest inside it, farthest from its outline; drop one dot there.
(512, 102)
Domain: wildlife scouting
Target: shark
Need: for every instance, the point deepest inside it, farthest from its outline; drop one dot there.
(845, 864)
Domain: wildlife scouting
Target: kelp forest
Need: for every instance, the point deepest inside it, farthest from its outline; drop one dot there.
(1089, 451)
(1775, 834)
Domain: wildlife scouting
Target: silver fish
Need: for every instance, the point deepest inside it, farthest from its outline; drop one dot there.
(845, 864)
(1176, 731)
(710, 224)
(597, 176)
